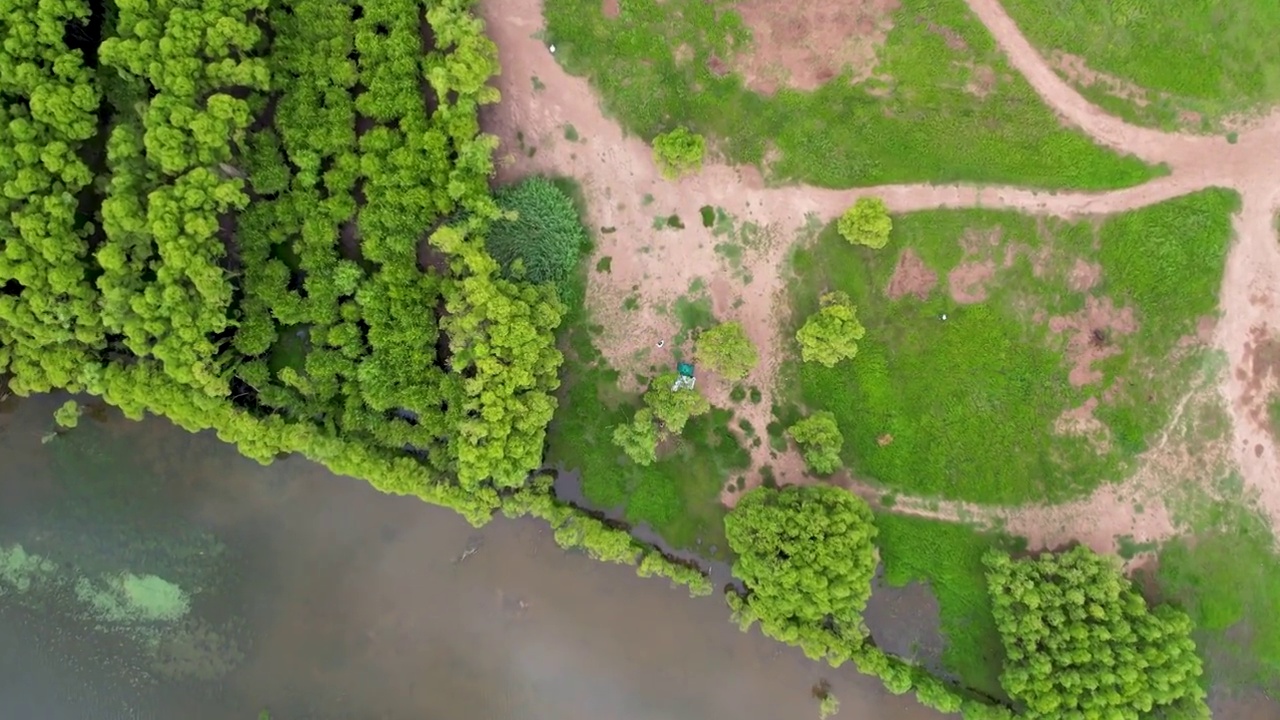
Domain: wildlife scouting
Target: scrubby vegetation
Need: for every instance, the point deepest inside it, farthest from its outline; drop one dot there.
(968, 407)
(1081, 641)
(663, 61)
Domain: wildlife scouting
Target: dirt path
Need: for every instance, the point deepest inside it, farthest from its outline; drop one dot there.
(626, 195)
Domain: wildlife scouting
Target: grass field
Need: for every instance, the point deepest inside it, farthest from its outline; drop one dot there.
(948, 556)
(1226, 574)
(965, 408)
(1206, 57)
(920, 125)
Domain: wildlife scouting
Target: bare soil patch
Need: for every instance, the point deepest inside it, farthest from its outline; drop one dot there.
(610, 8)
(968, 281)
(805, 43)
(1260, 374)
(1084, 275)
(1090, 336)
(911, 277)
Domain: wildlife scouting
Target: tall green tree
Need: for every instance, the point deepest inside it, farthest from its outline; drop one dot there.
(866, 223)
(820, 441)
(1082, 643)
(727, 350)
(638, 438)
(806, 555)
(674, 407)
(831, 335)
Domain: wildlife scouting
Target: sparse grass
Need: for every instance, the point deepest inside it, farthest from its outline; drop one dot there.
(971, 402)
(948, 556)
(604, 264)
(1207, 57)
(679, 496)
(927, 129)
(570, 133)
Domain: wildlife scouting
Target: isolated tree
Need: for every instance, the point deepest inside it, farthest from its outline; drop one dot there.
(831, 334)
(725, 349)
(1081, 642)
(820, 441)
(67, 415)
(679, 152)
(638, 438)
(806, 556)
(674, 407)
(866, 223)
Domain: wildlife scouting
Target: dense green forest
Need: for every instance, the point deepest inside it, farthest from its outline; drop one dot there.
(268, 219)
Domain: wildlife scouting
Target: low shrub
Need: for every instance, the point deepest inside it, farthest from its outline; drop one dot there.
(679, 152)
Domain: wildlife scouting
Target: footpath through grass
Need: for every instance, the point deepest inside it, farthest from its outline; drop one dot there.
(972, 407)
(1213, 58)
(948, 556)
(653, 65)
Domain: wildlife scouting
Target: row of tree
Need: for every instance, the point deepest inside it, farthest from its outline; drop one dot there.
(1081, 643)
(285, 242)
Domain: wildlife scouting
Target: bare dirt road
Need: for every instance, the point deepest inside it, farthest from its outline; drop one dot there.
(625, 192)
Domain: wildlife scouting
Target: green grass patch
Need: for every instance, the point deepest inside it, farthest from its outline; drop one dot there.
(1209, 58)
(969, 404)
(604, 264)
(926, 128)
(570, 133)
(1227, 577)
(948, 556)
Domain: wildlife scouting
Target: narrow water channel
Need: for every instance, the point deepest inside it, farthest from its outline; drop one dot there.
(161, 575)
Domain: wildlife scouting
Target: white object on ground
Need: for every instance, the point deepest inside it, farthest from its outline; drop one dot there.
(944, 316)
(553, 49)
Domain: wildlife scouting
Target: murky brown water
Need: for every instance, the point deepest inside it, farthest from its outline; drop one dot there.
(315, 597)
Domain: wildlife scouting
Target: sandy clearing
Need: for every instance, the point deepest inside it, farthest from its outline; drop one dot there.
(658, 266)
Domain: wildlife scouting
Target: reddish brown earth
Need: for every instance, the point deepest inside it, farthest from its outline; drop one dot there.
(617, 173)
(911, 277)
(804, 43)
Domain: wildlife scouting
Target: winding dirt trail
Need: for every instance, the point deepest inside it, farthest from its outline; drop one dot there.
(656, 266)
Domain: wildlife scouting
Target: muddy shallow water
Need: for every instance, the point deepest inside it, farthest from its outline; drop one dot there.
(162, 575)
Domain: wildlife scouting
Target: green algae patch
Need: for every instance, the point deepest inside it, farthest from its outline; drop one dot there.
(19, 570)
(129, 599)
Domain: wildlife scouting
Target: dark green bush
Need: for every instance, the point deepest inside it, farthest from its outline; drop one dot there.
(543, 236)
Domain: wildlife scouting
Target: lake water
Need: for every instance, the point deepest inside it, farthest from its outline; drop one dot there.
(161, 575)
